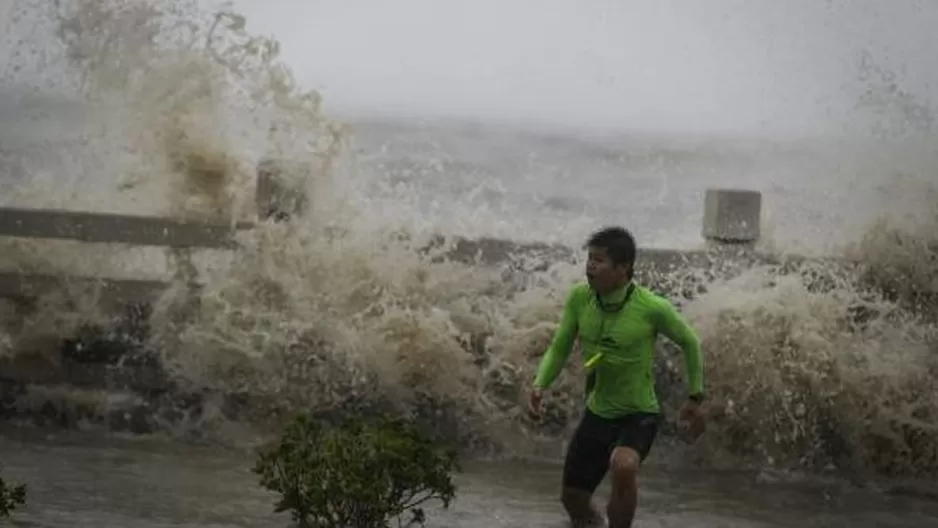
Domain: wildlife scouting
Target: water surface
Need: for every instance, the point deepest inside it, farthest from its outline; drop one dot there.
(102, 481)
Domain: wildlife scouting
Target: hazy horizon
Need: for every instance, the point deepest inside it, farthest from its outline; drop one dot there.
(731, 67)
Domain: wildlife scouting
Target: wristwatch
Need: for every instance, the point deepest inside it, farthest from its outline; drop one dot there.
(696, 398)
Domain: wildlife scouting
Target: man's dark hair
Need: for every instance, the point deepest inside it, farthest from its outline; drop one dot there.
(618, 243)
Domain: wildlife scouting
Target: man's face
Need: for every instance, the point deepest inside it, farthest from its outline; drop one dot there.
(602, 274)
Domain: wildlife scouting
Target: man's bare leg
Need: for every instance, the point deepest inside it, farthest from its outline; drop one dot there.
(623, 466)
(580, 508)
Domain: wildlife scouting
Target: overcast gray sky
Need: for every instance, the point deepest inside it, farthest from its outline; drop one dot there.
(752, 66)
(705, 65)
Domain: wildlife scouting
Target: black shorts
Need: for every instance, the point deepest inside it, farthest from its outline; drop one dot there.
(595, 438)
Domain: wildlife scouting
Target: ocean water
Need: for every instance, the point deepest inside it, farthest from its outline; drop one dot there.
(164, 108)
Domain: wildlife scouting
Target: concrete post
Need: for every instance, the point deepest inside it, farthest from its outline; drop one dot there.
(6, 19)
(732, 216)
(278, 196)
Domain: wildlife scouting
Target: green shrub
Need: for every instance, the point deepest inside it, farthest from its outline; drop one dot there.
(11, 497)
(356, 473)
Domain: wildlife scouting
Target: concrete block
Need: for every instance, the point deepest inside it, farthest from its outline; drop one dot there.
(732, 216)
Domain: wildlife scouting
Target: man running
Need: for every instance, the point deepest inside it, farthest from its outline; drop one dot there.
(617, 323)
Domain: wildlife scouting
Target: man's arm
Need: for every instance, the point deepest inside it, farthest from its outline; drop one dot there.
(558, 352)
(675, 328)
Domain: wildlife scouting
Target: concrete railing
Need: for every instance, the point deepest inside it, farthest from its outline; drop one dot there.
(730, 220)
(272, 200)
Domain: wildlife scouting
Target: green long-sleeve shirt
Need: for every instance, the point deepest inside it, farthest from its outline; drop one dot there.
(620, 348)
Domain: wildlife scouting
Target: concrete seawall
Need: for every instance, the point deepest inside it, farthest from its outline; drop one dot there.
(108, 376)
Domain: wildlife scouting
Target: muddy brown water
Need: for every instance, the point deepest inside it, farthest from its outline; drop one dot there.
(92, 479)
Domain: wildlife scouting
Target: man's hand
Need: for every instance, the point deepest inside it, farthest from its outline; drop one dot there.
(692, 420)
(534, 402)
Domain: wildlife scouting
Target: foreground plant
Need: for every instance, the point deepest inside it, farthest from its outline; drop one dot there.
(359, 472)
(11, 497)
